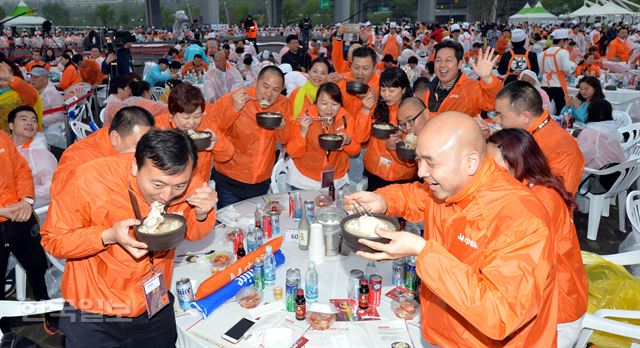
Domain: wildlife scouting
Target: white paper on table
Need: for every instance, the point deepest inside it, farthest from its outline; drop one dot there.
(267, 309)
(378, 333)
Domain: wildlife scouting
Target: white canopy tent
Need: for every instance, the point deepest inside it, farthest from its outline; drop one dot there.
(24, 21)
(612, 9)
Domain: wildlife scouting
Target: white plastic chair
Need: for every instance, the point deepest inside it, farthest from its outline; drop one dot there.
(599, 321)
(629, 172)
(102, 113)
(79, 128)
(279, 176)
(630, 138)
(11, 309)
(78, 90)
(633, 209)
(621, 118)
(633, 109)
(156, 92)
(101, 94)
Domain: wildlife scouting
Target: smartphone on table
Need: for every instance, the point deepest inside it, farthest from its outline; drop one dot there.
(235, 333)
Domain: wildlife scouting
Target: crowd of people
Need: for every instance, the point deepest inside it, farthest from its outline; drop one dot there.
(493, 180)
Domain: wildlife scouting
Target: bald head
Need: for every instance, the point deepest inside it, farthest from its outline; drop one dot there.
(220, 60)
(450, 150)
(413, 113)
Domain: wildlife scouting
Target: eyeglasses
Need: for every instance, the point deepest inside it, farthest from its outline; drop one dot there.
(405, 125)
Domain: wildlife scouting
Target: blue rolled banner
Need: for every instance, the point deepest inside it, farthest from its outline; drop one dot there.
(207, 305)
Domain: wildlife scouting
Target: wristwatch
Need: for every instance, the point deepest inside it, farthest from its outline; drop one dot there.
(28, 200)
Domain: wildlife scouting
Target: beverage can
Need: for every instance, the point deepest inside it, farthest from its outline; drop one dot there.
(411, 278)
(375, 290)
(398, 272)
(185, 293)
(266, 226)
(293, 282)
(258, 274)
(309, 209)
(354, 283)
(275, 224)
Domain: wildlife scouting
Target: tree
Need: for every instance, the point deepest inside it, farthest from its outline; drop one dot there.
(125, 18)
(104, 14)
(290, 9)
(238, 12)
(56, 13)
(168, 16)
(2, 13)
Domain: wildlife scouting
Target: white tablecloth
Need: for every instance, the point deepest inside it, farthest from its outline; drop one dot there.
(333, 279)
(621, 100)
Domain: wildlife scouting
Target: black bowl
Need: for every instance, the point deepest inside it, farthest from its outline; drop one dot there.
(202, 143)
(330, 141)
(379, 132)
(269, 119)
(357, 87)
(405, 153)
(163, 241)
(610, 88)
(352, 239)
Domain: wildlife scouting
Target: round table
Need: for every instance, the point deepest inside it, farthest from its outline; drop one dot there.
(622, 99)
(333, 277)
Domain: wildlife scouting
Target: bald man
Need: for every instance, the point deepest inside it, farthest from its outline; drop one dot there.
(487, 261)
(221, 78)
(519, 105)
(412, 115)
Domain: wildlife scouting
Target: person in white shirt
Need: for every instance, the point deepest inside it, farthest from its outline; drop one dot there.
(579, 39)
(32, 146)
(97, 56)
(52, 99)
(221, 78)
(466, 39)
(555, 65)
(599, 140)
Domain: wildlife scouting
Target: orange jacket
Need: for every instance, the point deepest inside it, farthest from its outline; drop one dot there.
(16, 181)
(571, 275)
(341, 65)
(588, 70)
(33, 63)
(154, 107)
(71, 76)
(99, 279)
(252, 32)
(561, 150)
(96, 145)
(620, 49)
(91, 73)
(190, 67)
(353, 104)
(468, 96)
(391, 46)
(255, 147)
(222, 150)
(488, 266)
(385, 163)
(310, 158)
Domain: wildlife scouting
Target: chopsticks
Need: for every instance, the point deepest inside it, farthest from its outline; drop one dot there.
(357, 204)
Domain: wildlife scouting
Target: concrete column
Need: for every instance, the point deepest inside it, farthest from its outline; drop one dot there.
(275, 12)
(427, 11)
(362, 13)
(210, 12)
(341, 10)
(153, 13)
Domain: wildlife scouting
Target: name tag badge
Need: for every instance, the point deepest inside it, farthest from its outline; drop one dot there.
(155, 292)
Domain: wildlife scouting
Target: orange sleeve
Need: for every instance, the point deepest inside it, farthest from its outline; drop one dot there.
(67, 232)
(197, 230)
(27, 93)
(486, 95)
(409, 201)
(504, 293)
(284, 135)
(47, 67)
(186, 68)
(226, 113)
(353, 149)
(362, 131)
(297, 146)
(223, 149)
(339, 63)
(22, 174)
(612, 50)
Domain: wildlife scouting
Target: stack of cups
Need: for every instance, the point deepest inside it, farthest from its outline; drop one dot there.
(316, 244)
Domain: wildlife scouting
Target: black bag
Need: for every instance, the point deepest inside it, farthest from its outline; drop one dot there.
(13, 340)
(598, 184)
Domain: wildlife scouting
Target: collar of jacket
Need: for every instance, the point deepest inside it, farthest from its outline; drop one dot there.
(468, 193)
(538, 121)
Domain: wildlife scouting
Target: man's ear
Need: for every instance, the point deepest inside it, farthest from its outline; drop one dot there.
(473, 163)
(114, 138)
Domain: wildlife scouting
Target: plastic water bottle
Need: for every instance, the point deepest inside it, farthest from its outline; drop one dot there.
(297, 206)
(258, 214)
(269, 267)
(311, 282)
(371, 269)
(252, 243)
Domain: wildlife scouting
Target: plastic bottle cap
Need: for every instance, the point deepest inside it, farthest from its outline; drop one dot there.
(312, 264)
(269, 249)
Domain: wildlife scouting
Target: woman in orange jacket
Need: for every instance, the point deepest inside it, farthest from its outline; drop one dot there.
(588, 67)
(303, 98)
(381, 163)
(308, 160)
(71, 75)
(517, 151)
(187, 112)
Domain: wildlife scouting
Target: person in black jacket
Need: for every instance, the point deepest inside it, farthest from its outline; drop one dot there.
(296, 57)
(120, 62)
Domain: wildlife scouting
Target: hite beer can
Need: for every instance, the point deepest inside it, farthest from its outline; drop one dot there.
(354, 283)
(375, 290)
(185, 293)
(398, 272)
(267, 229)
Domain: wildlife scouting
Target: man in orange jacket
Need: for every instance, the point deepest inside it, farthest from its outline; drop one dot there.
(619, 47)
(248, 173)
(110, 276)
(487, 260)
(127, 127)
(519, 105)
(452, 90)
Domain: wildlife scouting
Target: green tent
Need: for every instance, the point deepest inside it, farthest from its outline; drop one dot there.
(525, 10)
(22, 8)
